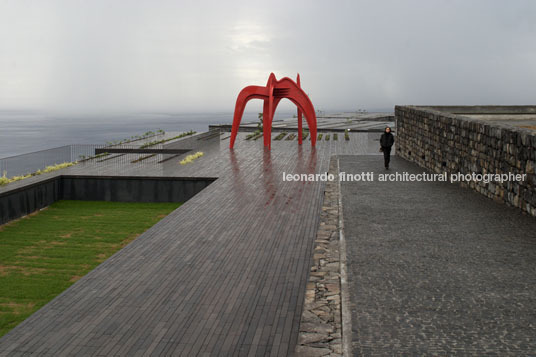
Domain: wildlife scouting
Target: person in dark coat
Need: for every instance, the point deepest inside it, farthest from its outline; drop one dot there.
(386, 141)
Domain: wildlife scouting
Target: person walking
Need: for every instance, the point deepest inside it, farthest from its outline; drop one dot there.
(386, 141)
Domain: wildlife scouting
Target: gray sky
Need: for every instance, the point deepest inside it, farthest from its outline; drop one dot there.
(108, 56)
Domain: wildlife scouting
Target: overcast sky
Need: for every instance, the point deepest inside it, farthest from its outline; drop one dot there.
(109, 56)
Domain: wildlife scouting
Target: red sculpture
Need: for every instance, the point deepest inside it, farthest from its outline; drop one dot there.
(272, 94)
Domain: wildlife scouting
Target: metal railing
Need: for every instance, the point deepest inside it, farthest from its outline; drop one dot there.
(31, 162)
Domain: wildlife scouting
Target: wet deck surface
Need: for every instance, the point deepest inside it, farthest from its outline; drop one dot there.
(224, 274)
(436, 269)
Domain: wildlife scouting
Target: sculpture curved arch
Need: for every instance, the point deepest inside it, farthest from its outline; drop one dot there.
(271, 94)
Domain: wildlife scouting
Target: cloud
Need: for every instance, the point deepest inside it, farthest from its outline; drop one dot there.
(196, 56)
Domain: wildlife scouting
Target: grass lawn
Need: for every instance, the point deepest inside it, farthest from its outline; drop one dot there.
(43, 254)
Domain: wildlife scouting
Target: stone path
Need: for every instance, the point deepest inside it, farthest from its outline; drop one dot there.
(436, 269)
(321, 321)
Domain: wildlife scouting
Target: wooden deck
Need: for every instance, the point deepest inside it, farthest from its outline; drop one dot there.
(224, 274)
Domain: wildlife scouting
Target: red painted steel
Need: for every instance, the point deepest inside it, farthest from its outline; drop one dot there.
(271, 94)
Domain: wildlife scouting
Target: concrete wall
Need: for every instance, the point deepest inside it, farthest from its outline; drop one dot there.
(446, 142)
(20, 202)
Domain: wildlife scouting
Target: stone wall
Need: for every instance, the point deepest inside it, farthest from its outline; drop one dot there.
(442, 142)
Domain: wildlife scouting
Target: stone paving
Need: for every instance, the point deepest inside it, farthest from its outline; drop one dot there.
(436, 269)
(320, 326)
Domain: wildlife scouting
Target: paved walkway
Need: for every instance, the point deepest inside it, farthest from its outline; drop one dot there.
(436, 269)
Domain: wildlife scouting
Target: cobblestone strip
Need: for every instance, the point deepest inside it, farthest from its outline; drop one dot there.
(321, 322)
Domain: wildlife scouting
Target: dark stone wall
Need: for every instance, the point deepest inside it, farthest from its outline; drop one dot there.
(483, 109)
(23, 201)
(445, 142)
(131, 189)
(20, 202)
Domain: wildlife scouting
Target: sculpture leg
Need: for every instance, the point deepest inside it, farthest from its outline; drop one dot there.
(312, 129)
(310, 118)
(300, 136)
(266, 122)
(268, 125)
(296, 95)
(239, 110)
(249, 92)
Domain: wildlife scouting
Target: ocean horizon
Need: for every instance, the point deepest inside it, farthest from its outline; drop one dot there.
(25, 132)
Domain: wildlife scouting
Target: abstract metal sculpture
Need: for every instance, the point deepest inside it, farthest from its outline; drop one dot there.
(272, 93)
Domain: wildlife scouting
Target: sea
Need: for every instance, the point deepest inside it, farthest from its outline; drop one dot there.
(24, 132)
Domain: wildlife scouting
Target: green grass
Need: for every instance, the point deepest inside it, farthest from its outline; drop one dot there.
(291, 136)
(156, 142)
(255, 135)
(43, 254)
(280, 136)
